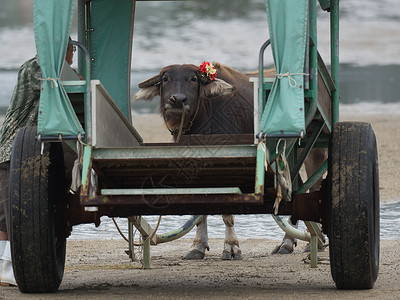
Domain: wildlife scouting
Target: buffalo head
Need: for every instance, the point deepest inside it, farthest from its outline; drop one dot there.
(182, 90)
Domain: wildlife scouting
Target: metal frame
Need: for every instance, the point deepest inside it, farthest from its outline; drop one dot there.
(315, 65)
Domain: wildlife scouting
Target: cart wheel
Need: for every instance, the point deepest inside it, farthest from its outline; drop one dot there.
(37, 231)
(353, 207)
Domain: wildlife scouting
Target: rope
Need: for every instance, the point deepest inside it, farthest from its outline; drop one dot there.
(53, 80)
(292, 81)
(261, 146)
(119, 230)
(155, 229)
(142, 243)
(82, 142)
(284, 184)
(181, 125)
(284, 181)
(77, 167)
(183, 112)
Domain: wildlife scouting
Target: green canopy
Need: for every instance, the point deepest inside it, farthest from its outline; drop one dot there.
(52, 26)
(284, 111)
(111, 48)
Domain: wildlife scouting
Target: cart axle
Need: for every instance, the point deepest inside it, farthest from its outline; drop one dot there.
(306, 207)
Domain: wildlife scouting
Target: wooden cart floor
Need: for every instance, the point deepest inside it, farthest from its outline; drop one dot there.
(177, 166)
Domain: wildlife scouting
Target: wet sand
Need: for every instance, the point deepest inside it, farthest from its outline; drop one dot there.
(99, 269)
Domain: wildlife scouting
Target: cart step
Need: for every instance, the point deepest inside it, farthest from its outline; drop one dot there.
(172, 191)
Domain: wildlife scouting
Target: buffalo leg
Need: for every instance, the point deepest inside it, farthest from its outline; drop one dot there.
(288, 243)
(231, 243)
(200, 241)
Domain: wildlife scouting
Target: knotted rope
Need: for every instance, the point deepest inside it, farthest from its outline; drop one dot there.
(292, 81)
(53, 80)
(261, 146)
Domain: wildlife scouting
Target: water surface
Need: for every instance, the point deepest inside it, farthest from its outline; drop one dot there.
(246, 226)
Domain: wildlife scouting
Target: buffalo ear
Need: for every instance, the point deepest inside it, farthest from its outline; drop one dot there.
(148, 89)
(149, 82)
(217, 88)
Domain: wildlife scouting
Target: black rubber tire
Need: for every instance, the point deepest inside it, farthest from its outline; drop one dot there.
(37, 201)
(353, 206)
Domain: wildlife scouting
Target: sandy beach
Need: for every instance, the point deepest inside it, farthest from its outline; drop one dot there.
(100, 269)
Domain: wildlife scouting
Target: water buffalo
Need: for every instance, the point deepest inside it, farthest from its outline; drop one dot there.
(221, 105)
(192, 102)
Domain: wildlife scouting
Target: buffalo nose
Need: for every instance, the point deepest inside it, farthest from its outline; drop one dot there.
(177, 100)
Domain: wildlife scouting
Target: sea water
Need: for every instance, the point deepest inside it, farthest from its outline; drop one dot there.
(246, 226)
(193, 31)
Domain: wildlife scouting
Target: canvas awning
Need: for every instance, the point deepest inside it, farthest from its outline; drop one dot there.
(110, 40)
(284, 111)
(52, 26)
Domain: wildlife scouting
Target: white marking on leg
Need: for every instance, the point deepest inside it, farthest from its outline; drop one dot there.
(231, 242)
(200, 241)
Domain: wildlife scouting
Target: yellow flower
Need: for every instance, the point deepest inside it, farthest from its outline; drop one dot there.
(210, 69)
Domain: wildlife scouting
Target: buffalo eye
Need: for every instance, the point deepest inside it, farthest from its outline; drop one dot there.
(193, 79)
(164, 78)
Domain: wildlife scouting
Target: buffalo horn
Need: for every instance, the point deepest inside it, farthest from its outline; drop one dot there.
(150, 82)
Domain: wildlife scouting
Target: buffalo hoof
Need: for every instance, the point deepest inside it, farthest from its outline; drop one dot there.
(228, 255)
(194, 254)
(238, 255)
(283, 249)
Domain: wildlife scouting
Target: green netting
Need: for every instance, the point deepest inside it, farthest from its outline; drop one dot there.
(52, 25)
(111, 48)
(284, 111)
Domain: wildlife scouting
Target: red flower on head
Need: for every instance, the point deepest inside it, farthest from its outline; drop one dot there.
(208, 71)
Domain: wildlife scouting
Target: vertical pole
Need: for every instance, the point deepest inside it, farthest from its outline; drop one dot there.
(261, 91)
(88, 29)
(88, 93)
(293, 162)
(146, 253)
(314, 251)
(335, 58)
(81, 34)
(146, 231)
(260, 169)
(316, 238)
(261, 98)
(88, 69)
(261, 148)
(86, 170)
(313, 53)
(88, 102)
(131, 240)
